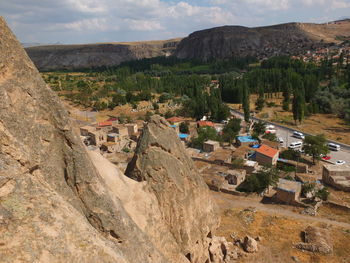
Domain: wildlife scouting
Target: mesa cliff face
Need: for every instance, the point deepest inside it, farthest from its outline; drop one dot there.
(60, 203)
(56, 57)
(283, 39)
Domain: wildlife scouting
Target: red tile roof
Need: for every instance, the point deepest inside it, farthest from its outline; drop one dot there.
(205, 123)
(104, 124)
(174, 119)
(267, 151)
(112, 119)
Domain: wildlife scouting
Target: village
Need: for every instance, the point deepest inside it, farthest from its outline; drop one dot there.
(227, 167)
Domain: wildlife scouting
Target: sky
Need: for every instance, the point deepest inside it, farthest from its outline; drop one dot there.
(91, 21)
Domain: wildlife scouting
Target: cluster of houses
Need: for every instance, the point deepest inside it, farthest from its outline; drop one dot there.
(333, 52)
(216, 160)
(110, 136)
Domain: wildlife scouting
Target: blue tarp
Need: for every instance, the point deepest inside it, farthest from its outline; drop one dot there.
(256, 146)
(183, 135)
(246, 139)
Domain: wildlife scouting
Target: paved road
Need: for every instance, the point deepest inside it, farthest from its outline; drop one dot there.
(244, 202)
(286, 133)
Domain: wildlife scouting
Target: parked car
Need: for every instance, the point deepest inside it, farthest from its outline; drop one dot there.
(325, 157)
(298, 135)
(280, 140)
(340, 162)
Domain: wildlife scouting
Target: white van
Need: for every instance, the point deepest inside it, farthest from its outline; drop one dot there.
(298, 135)
(334, 147)
(294, 145)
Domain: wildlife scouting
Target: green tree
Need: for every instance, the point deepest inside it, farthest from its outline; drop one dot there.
(184, 127)
(258, 182)
(245, 102)
(259, 128)
(231, 130)
(315, 146)
(298, 106)
(204, 134)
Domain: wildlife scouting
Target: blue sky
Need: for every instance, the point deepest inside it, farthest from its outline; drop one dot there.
(91, 21)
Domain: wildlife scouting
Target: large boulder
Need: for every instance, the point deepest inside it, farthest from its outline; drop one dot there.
(187, 210)
(250, 245)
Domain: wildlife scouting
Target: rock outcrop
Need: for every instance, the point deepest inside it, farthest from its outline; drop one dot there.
(58, 204)
(250, 245)
(316, 240)
(73, 57)
(183, 197)
(284, 39)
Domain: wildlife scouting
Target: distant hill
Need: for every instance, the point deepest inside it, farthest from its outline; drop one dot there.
(72, 57)
(282, 39)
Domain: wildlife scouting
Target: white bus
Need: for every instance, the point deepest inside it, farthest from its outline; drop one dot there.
(334, 147)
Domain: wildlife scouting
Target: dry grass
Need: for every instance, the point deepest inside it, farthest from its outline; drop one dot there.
(279, 233)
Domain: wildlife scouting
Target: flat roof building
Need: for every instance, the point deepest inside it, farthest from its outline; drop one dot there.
(211, 146)
(288, 191)
(337, 176)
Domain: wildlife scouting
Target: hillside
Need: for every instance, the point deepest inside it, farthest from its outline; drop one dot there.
(72, 57)
(283, 39)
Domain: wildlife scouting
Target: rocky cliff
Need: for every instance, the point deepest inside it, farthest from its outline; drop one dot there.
(71, 57)
(59, 203)
(283, 39)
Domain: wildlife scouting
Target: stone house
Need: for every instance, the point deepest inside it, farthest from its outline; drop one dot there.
(211, 146)
(288, 191)
(105, 126)
(235, 177)
(337, 176)
(84, 131)
(112, 137)
(97, 137)
(221, 156)
(132, 128)
(175, 120)
(121, 130)
(109, 147)
(266, 155)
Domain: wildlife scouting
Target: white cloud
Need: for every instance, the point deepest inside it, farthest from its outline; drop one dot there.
(143, 25)
(125, 20)
(340, 4)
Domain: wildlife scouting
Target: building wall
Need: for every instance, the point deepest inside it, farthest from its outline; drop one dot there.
(210, 147)
(263, 159)
(327, 178)
(287, 197)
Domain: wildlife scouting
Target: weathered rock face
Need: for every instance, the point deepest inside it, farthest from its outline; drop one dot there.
(57, 204)
(55, 57)
(283, 39)
(183, 198)
(54, 206)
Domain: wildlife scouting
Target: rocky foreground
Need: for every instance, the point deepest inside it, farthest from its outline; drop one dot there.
(60, 203)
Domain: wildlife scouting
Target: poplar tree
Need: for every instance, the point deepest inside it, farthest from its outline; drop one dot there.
(245, 101)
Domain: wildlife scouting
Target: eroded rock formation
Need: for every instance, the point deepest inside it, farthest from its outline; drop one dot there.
(59, 203)
(187, 211)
